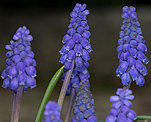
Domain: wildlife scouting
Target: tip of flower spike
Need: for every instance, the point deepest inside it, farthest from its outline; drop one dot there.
(80, 6)
(129, 9)
(121, 107)
(79, 11)
(129, 12)
(52, 112)
(22, 33)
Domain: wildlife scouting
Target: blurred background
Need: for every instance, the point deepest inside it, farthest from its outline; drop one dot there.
(48, 22)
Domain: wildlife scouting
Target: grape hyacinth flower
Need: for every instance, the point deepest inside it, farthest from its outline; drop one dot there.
(76, 47)
(84, 110)
(121, 107)
(52, 112)
(20, 64)
(131, 49)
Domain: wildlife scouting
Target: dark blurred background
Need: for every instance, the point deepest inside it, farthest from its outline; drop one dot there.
(48, 22)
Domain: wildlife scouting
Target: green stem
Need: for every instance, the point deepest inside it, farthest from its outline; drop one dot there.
(65, 85)
(48, 93)
(138, 118)
(143, 117)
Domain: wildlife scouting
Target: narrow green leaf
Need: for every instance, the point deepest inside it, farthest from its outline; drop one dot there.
(138, 118)
(102, 121)
(48, 93)
(143, 117)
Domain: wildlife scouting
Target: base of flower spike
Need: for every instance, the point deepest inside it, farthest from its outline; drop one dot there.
(84, 104)
(52, 112)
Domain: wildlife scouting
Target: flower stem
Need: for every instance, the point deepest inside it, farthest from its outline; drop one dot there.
(71, 101)
(65, 85)
(13, 106)
(17, 103)
(48, 93)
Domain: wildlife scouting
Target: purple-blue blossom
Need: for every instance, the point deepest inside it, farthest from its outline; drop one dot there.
(121, 107)
(76, 46)
(20, 65)
(131, 49)
(84, 110)
(52, 112)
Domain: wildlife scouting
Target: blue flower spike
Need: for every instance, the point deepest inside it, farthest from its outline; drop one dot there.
(121, 107)
(76, 46)
(52, 112)
(84, 110)
(20, 65)
(131, 49)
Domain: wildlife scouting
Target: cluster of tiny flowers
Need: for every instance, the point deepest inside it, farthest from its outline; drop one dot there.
(121, 107)
(84, 110)
(76, 46)
(20, 64)
(131, 49)
(52, 112)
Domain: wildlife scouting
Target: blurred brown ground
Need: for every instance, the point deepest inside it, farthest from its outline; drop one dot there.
(48, 27)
